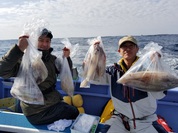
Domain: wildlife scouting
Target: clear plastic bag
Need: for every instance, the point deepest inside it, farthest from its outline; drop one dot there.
(32, 70)
(67, 84)
(73, 52)
(94, 62)
(150, 72)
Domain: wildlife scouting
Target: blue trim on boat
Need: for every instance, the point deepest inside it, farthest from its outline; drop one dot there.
(100, 94)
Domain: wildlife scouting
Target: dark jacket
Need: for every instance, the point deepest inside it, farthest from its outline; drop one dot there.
(9, 67)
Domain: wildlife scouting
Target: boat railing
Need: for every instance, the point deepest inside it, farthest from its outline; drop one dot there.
(100, 94)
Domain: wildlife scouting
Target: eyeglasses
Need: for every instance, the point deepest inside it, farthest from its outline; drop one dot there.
(130, 46)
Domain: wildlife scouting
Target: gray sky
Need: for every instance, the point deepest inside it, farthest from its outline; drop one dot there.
(90, 18)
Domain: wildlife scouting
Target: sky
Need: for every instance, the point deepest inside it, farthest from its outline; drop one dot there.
(90, 18)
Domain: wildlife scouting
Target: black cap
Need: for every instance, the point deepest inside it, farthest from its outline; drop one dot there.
(47, 33)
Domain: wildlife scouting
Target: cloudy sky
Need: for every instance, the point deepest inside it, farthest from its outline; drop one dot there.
(88, 18)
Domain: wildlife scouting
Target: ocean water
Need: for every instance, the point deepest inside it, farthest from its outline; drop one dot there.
(169, 42)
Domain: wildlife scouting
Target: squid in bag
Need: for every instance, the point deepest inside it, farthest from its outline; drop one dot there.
(67, 84)
(94, 62)
(66, 76)
(150, 73)
(32, 70)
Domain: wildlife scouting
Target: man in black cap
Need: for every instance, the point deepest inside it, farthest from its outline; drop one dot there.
(54, 108)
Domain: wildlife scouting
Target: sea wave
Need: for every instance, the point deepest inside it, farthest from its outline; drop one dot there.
(169, 43)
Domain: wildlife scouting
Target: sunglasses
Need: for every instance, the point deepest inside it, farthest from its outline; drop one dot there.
(130, 46)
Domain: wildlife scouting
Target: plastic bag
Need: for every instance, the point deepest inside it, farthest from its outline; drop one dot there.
(73, 52)
(94, 62)
(32, 70)
(84, 123)
(33, 29)
(67, 84)
(150, 73)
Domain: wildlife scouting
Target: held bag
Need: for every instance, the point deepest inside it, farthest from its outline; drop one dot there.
(31, 73)
(67, 84)
(150, 72)
(32, 70)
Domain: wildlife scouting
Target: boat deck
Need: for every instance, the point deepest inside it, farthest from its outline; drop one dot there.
(100, 94)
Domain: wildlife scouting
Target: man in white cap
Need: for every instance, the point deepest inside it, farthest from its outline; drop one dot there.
(134, 110)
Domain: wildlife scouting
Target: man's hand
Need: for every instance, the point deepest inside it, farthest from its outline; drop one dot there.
(66, 52)
(155, 56)
(23, 43)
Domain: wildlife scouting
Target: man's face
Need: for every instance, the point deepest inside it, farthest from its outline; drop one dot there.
(128, 50)
(44, 43)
